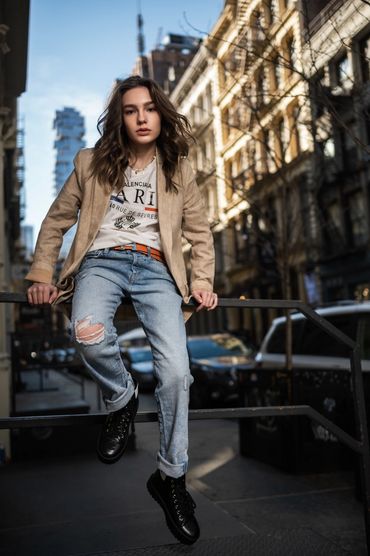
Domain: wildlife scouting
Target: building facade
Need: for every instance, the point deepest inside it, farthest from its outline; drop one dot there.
(290, 124)
(260, 152)
(14, 22)
(337, 35)
(194, 97)
(167, 62)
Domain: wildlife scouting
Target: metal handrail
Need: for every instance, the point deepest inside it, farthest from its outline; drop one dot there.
(360, 444)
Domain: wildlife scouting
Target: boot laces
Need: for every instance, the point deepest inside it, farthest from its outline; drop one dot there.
(117, 422)
(183, 502)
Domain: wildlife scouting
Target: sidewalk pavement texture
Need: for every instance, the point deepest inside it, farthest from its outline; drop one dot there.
(73, 505)
(76, 506)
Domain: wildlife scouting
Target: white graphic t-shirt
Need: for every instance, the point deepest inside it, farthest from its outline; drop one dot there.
(132, 214)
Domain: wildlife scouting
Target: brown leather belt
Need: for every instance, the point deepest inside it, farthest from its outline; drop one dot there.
(149, 251)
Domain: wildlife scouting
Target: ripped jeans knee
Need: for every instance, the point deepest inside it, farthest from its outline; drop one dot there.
(88, 333)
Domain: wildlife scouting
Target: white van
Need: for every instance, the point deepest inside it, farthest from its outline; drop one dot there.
(312, 348)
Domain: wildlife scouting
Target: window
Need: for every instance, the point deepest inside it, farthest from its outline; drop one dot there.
(316, 342)
(365, 58)
(277, 73)
(334, 217)
(342, 75)
(366, 119)
(241, 239)
(294, 129)
(273, 10)
(282, 139)
(291, 53)
(357, 218)
(225, 124)
(261, 87)
(228, 180)
(309, 339)
(258, 25)
(333, 226)
(278, 338)
(234, 115)
(209, 100)
(348, 146)
(270, 150)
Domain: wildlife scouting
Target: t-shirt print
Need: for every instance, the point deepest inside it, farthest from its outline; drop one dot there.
(136, 201)
(132, 214)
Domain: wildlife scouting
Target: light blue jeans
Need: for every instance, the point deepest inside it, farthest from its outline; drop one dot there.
(104, 278)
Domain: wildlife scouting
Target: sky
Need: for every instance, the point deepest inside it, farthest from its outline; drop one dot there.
(77, 48)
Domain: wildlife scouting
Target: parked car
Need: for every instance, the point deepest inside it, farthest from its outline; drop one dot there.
(139, 362)
(312, 348)
(59, 355)
(320, 377)
(135, 337)
(215, 361)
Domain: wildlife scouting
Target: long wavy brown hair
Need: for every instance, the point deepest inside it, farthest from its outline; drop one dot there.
(112, 151)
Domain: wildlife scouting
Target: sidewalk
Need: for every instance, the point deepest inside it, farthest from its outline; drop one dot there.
(72, 505)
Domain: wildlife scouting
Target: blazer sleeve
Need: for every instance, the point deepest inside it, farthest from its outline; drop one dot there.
(196, 230)
(62, 215)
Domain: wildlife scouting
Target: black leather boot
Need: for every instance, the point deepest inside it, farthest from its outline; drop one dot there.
(177, 504)
(115, 432)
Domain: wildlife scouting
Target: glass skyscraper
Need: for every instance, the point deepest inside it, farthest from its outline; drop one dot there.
(70, 129)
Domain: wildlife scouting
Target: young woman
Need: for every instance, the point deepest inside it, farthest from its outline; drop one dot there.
(135, 197)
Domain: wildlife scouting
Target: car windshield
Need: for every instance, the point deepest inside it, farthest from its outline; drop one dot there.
(140, 355)
(216, 346)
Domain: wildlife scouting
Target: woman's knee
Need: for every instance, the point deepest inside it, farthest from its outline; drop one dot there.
(89, 336)
(174, 375)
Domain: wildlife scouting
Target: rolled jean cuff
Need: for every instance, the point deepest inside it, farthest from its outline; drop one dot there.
(174, 470)
(122, 400)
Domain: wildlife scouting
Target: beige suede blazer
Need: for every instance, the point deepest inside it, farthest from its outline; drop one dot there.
(85, 200)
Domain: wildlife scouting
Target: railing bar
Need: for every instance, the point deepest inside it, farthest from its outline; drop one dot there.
(328, 327)
(343, 436)
(200, 414)
(149, 416)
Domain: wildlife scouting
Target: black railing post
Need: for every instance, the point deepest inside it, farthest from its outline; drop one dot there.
(362, 435)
